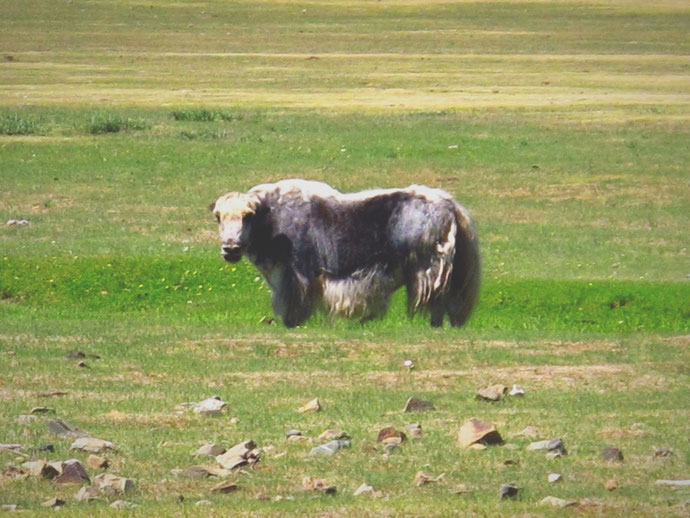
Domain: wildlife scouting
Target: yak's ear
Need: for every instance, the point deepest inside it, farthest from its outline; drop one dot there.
(212, 207)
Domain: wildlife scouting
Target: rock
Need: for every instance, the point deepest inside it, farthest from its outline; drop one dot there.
(332, 434)
(553, 454)
(677, 483)
(202, 503)
(123, 504)
(424, 477)
(42, 410)
(26, 419)
(408, 364)
(239, 455)
(415, 431)
(225, 487)
(193, 472)
(46, 447)
(492, 393)
(317, 484)
(310, 406)
(517, 390)
(414, 404)
(110, 484)
(210, 450)
(83, 365)
(9, 507)
(557, 502)
(73, 472)
(529, 432)
(203, 472)
(330, 448)
(40, 468)
(548, 445)
(53, 502)
(298, 438)
(663, 452)
(210, 407)
(390, 435)
(390, 447)
(61, 429)
(10, 447)
(462, 489)
(92, 445)
(611, 454)
(611, 484)
(86, 494)
(293, 433)
(554, 477)
(76, 355)
(475, 431)
(364, 488)
(508, 491)
(96, 462)
(17, 222)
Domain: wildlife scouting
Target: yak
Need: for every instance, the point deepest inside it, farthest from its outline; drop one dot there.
(347, 253)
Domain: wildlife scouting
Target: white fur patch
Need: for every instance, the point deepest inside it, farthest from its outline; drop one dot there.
(364, 294)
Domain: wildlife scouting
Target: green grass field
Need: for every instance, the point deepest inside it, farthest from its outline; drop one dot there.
(563, 127)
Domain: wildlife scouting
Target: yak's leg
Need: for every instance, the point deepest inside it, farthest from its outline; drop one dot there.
(436, 311)
(293, 298)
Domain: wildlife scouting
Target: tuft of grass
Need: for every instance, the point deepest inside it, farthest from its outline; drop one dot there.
(204, 115)
(14, 123)
(103, 123)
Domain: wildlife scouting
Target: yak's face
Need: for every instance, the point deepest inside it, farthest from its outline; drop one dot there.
(233, 212)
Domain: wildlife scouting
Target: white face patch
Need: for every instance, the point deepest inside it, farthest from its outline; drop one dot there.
(230, 211)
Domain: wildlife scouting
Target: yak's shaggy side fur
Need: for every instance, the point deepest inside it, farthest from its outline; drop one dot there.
(349, 252)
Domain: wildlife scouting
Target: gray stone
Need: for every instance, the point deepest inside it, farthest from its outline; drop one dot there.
(415, 431)
(86, 494)
(210, 407)
(53, 502)
(210, 450)
(92, 445)
(554, 477)
(548, 445)
(611, 454)
(61, 429)
(9, 507)
(364, 488)
(239, 455)
(492, 393)
(330, 448)
(73, 472)
(123, 504)
(509, 490)
(676, 483)
(414, 404)
(557, 502)
(110, 484)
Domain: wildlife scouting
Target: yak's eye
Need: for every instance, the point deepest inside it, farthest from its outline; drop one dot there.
(217, 218)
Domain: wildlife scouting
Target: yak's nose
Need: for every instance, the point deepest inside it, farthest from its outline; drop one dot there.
(231, 253)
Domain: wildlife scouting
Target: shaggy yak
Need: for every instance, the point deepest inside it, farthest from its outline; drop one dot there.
(348, 253)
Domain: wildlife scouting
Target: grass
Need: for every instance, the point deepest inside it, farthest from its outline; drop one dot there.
(561, 125)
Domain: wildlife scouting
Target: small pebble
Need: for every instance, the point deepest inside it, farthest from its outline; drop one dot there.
(555, 477)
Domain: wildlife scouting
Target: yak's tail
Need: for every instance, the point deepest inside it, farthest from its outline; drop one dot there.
(463, 292)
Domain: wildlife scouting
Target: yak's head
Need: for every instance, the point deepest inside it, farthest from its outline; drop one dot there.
(233, 212)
